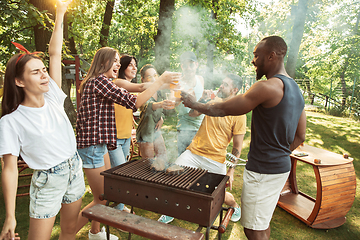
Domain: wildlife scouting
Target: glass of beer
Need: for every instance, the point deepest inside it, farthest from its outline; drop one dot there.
(170, 100)
(177, 93)
(174, 84)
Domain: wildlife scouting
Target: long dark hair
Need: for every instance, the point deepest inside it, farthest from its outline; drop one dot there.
(125, 60)
(14, 95)
(101, 63)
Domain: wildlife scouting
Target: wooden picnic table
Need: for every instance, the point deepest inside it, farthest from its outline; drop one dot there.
(336, 188)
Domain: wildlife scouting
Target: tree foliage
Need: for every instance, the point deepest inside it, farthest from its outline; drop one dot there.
(328, 51)
(17, 20)
(331, 49)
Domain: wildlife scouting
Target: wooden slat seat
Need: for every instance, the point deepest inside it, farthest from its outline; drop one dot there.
(139, 225)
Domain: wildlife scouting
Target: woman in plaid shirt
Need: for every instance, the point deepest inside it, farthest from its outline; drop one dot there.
(95, 125)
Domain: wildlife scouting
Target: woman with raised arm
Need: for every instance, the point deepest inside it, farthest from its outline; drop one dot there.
(35, 126)
(96, 126)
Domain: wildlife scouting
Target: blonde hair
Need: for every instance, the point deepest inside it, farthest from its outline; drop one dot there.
(101, 63)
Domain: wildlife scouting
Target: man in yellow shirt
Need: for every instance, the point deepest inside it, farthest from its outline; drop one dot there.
(209, 146)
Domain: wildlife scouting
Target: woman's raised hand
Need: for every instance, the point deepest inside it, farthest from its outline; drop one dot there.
(169, 77)
(62, 5)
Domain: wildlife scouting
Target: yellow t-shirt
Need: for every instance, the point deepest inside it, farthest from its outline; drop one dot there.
(215, 134)
(124, 121)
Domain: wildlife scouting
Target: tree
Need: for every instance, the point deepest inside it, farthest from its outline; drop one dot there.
(351, 52)
(207, 27)
(66, 84)
(133, 29)
(163, 36)
(42, 30)
(85, 23)
(17, 20)
(297, 34)
(331, 50)
(104, 33)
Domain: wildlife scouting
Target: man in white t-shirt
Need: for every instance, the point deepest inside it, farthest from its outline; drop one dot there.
(188, 125)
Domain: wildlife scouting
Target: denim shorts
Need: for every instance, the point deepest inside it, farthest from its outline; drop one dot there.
(120, 155)
(62, 184)
(93, 156)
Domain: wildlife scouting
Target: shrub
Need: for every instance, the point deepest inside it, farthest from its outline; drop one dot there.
(337, 111)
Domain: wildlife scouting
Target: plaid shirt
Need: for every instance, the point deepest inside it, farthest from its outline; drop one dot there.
(95, 122)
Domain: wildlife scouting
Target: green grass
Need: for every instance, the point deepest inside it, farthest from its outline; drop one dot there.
(331, 133)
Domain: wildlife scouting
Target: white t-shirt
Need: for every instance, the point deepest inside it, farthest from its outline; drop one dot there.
(42, 136)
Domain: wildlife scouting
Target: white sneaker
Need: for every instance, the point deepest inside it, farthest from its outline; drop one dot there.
(101, 235)
(165, 219)
(236, 215)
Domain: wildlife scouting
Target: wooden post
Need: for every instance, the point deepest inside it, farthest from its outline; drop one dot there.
(77, 81)
(330, 94)
(352, 96)
(326, 100)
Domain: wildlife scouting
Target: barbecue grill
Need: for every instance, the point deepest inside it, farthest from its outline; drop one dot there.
(195, 195)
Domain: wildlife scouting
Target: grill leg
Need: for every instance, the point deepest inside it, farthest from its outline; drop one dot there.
(220, 218)
(107, 226)
(207, 233)
(107, 232)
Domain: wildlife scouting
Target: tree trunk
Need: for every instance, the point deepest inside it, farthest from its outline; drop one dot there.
(311, 96)
(346, 64)
(298, 31)
(42, 39)
(210, 53)
(42, 35)
(104, 33)
(163, 36)
(67, 83)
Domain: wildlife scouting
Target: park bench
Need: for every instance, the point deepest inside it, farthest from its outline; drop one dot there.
(138, 225)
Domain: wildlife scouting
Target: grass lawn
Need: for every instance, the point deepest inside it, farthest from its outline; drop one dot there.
(335, 134)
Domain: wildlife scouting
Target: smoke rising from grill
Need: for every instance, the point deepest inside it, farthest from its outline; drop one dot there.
(194, 29)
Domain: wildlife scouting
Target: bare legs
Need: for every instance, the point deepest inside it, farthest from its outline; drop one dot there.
(257, 235)
(151, 149)
(68, 220)
(147, 149)
(96, 182)
(41, 228)
(230, 200)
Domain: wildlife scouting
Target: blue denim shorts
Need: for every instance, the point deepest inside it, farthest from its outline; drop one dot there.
(120, 155)
(62, 184)
(93, 156)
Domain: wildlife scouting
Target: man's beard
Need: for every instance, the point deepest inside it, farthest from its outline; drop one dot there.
(259, 72)
(259, 75)
(222, 95)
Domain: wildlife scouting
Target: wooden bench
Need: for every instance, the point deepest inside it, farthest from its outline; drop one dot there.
(139, 225)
